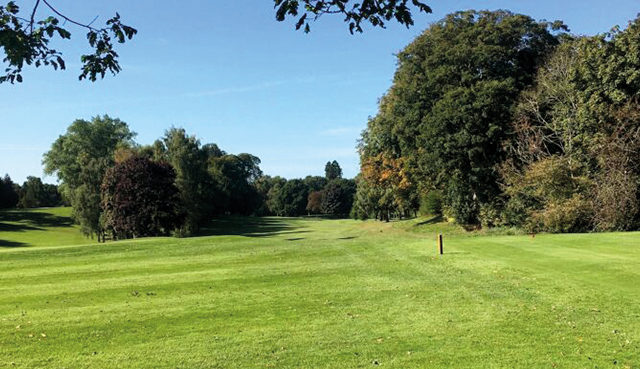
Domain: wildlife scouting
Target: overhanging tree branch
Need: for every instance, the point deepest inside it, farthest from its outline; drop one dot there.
(25, 41)
(374, 12)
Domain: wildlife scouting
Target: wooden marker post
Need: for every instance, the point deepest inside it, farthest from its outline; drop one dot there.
(440, 244)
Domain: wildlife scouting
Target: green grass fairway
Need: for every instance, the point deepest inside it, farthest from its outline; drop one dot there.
(39, 227)
(304, 293)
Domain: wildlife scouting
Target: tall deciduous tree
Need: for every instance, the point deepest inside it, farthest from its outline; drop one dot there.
(235, 176)
(32, 193)
(290, 198)
(190, 162)
(338, 196)
(80, 158)
(448, 111)
(273, 187)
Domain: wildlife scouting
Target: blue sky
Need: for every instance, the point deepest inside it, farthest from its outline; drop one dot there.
(229, 73)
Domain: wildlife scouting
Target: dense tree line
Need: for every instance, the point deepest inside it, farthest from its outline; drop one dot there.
(9, 193)
(495, 119)
(120, 189)
(330, 195)
(32, 194)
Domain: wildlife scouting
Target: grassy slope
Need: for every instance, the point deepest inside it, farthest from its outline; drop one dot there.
(290, 293)
(38, 227)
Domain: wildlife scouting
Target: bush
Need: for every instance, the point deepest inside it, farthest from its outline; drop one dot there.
(490, 215)
(550, 196)
(566, 216)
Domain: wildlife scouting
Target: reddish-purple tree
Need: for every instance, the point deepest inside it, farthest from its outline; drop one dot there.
(140, 199)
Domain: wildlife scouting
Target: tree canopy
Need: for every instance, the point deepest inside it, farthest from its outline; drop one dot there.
(80, 158)
(443, 122)
(494, 119)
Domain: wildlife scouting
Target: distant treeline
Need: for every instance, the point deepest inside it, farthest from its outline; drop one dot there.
(120, 189)
(495, 119)
(32, 194)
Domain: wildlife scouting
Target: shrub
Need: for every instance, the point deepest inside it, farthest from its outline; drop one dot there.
(565, 216)
(490, 215)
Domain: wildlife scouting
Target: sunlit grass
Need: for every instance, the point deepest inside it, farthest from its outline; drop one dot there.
(309, 293)
(39, 227)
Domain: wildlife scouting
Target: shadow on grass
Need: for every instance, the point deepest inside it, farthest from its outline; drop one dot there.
(434, 220)
(24, 220)
(5, 243)
(20, 227)
(248, 226)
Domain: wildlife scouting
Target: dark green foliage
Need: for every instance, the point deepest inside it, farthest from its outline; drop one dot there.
(34, 194)
(291, 198)
(448, 112)
(431, 203)
(315, 183)
(365, 200)
(234, 176)
(263, 186)
(573, 164)
(311, 195)
(51, 197)
(80, 159)
(273, 186)
(332, 170)
(8, 193)
(25, 41)
(376, 13)
(140, 199)
(338, 196)
(31, 193)
(191, 164)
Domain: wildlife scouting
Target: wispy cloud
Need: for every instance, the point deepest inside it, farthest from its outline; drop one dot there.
(240, 89)
(250, 88)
